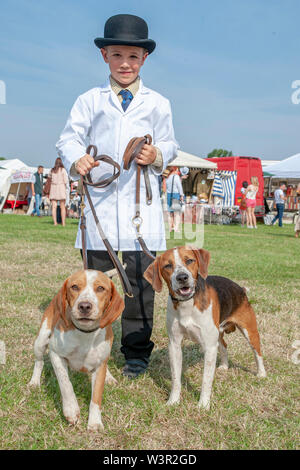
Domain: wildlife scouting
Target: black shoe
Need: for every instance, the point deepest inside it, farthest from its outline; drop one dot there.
(135, 367)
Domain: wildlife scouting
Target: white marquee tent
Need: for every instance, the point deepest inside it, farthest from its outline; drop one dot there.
(191, 161)
(14, 164)
(5, 175)
(288, 168)
(9, 184)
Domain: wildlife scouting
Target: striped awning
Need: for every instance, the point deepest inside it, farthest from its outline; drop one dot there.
(217, 189)
(224, 186)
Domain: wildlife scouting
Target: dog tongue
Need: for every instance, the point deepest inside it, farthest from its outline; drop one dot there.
(185, 290)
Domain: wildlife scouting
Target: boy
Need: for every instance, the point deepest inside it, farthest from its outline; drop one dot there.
(108, 117)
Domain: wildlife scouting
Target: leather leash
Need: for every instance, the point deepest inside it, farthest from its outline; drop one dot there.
(132, 150)
(87, 181)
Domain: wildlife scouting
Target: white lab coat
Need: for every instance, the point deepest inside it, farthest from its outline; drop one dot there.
(97, 118)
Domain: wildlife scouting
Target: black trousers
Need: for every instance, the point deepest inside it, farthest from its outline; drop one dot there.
(137, 317)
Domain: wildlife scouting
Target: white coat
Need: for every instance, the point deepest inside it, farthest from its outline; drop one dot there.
(97, 118)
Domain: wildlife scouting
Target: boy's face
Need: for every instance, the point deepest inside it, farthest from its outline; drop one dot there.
(124, 62)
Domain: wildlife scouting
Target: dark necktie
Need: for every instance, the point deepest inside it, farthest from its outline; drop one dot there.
(127, 97)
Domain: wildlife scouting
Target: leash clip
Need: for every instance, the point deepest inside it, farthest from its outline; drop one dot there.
(137, 222)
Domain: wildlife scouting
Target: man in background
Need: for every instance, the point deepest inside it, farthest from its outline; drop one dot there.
(38, 191)
(279, 201)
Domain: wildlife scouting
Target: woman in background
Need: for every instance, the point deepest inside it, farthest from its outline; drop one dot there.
(251, 192)
(58, 190)
(297, 225)
(174, 191)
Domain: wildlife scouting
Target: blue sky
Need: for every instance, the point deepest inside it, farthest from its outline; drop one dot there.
(227, 66)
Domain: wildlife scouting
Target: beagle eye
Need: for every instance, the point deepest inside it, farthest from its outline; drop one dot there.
(189, 261)
(75, 287)
(168, 266)
(100, 289)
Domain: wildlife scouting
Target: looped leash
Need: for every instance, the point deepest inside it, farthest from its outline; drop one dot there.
(103, 158)
(87, 181)
(132, 150)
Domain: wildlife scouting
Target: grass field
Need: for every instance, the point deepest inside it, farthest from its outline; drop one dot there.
(246, 412)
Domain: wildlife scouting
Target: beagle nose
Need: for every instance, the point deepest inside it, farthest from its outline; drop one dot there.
(182, 277)
(85, 308)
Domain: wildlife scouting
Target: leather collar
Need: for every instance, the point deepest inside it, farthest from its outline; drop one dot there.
(84, 331)
(182, 300)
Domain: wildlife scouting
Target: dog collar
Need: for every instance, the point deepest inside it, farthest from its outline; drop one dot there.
(182, 300)
(84, 331)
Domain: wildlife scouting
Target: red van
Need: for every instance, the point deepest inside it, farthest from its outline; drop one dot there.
(246, 167)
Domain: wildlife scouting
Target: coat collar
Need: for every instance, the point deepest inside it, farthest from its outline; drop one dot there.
(137, 100)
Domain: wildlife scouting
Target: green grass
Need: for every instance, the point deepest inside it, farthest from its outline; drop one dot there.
(246, 413)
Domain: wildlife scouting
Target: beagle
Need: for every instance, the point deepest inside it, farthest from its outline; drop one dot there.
(201, 308)
(77, 327)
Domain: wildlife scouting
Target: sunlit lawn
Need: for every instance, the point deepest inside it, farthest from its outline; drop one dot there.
(246, 413)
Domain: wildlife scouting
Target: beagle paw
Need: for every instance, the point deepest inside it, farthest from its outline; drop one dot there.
(204, 404)
(95, 427)
(261, 374)
(34, 383)
(109, 379)
(71, 413)
(223, 367)
(95, 421)
(173, 400)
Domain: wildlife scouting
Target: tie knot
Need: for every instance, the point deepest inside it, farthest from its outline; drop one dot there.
(126, 95)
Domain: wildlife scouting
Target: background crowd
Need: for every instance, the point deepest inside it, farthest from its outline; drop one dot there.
(60, 198)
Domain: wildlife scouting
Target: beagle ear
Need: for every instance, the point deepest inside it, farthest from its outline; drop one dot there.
(114, 308)
(153, 276)
(203, 258)
(60, 302)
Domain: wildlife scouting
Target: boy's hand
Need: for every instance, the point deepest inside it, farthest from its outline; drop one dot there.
(147, 155)
(85, 164)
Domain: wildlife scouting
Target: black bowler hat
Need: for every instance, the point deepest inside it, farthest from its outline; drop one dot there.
(126, 30)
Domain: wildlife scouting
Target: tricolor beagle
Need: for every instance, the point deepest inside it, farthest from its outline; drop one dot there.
(201, 308)
(77, 327)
